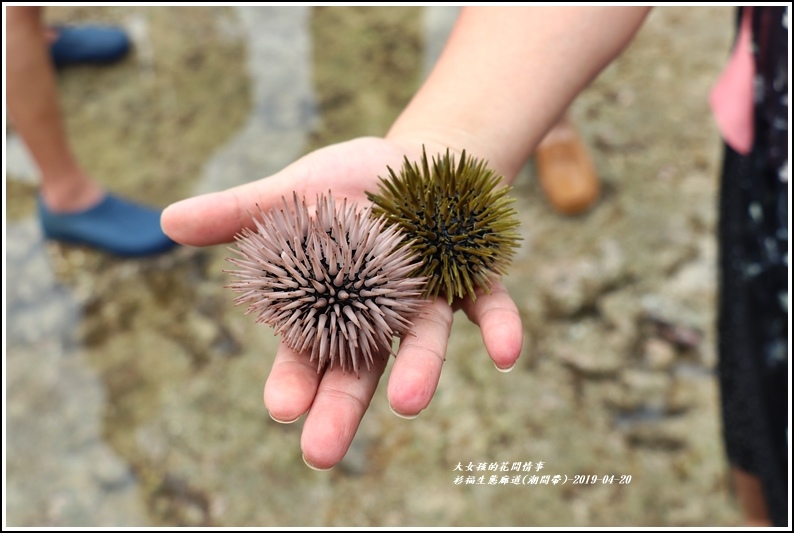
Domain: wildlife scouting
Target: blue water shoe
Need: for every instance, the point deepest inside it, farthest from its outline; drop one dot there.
(88, 44)
(115, 225)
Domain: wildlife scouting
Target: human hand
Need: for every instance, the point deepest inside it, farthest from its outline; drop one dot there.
(335, 402)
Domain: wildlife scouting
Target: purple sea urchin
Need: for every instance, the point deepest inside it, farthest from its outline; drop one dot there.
(457, 217)
(335, 285)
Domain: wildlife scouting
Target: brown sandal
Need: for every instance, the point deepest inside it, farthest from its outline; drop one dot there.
(565, 170)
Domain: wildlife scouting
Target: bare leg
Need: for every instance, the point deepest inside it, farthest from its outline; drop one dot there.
(73, 208)
(32, 100)
(751, 498)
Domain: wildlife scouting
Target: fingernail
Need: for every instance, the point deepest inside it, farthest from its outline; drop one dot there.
(407, 417)
(505, 370)
(314, 467)
(282, 421)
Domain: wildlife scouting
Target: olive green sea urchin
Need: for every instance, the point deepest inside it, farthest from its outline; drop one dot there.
(335, 285)
(458, 218)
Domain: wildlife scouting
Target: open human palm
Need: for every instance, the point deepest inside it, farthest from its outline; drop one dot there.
(335, 402)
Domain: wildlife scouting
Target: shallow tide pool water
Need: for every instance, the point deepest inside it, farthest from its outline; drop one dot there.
(134, 387)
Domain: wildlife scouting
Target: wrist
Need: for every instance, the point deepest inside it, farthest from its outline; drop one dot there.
(438, 139)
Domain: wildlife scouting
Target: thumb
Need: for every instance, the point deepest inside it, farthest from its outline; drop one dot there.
(215, 218)
(347, 169)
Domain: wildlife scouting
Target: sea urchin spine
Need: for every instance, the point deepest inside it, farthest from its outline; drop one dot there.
(458, 219)
(335, 285)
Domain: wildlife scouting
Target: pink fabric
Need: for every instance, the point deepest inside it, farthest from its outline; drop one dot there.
(731, 99)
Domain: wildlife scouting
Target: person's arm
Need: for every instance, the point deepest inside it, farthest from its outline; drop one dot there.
(508, 73)
(505, 76)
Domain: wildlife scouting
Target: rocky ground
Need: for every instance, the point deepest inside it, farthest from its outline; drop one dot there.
(134, 387)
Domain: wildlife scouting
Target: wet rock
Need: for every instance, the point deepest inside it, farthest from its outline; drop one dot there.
(42, 307)
(658, 354)
(593, 351)
(686, 514)
(668, 259)
(355, 461)
(68, 475)
(685, 393)
(645, 389)
(683, 336)
(570, 287)
(621, 309)
(153, 444)
(202, 330)
(668, 434)
(56, 315)
(183, 504)
(106, 468)
(226, 344)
